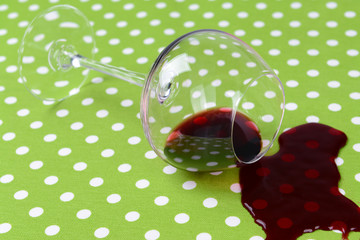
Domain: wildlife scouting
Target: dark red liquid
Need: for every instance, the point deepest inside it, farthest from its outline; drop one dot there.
(204, 141)
(296, 190)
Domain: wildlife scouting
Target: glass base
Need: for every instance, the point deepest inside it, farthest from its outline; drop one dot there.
(46, 48)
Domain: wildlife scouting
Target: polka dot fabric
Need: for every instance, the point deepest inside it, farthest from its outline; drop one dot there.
(82, 168)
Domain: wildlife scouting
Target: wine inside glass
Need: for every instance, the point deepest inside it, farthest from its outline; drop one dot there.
(209, 102)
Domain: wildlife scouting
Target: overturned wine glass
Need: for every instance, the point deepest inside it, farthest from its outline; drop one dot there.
(209, 102)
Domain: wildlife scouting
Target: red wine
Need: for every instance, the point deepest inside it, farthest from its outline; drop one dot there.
(296, 190)
(204, 141)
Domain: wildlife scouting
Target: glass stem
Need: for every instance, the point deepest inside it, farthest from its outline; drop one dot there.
(121, 73)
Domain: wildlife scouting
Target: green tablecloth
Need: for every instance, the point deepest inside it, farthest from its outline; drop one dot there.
(82, 168)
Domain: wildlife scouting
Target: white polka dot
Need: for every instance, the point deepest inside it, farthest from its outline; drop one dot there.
(36, 212)
(36, 125)
(274, 52)
(7, 178)
(216, 83)
(357, 177)
(182, 218)
(83, 214)
(117, 126)
(248, 105)
(354, 73)
(349, 14)
(76, 126)
(335, 107)
(203, 236)
(62, 113)
(114, 41)
(293, 62)
(132, 216)
(332, 42)
(52, 230)
(220, 63)
(103, 231)
(96, 7)
(313, 52)
(148, 41)
(10, 100)
(294, 24)
(331, 24)
(134, 140)
(67, 196)
(210, 203)
(267, 118)
(126, 103)
(229, 93)
(12, 41)
(143, 183)
(175, 109)
(261, 6)
(188, 185)
(20, 195)
(152, 235)
(8, 136)
(339, 161)
(313, 14)
(351, 33)
(169, 169)
(292, 83)
(259, 24)
(256, 42)
(291, 106)
(96, 182)
(294, 42)
(87, 101)
(36, 165)
(276, 33)
(313, 73)
(240, 33)
(312, 94)
(313, 33)
(5, 227)
(161, 200)
(142, 60)
(189, 24)
(102, 113)
(3, 7)
(232, 221)
(113, 198)
(356, 120)
(277, 15)
(109, 15)
(356, 147)
(169, 31)
(64, 152)
(333, 62)
(49, 137)
(295, 5)
(194, 6)
(223, 23)
(235, 187)
(352, 52)
(125, 167)
(256, 238)
(331, 5)
(108, 153)
(51, 180)
(355, 95)
(334, 84)
(42, 70)
(311, 119)
(150, 154)
(208, 15)
(11, 69)
(80, 166)
(22, 150)
(155, 22)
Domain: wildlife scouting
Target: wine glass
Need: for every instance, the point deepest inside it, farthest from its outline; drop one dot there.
(209, 102)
